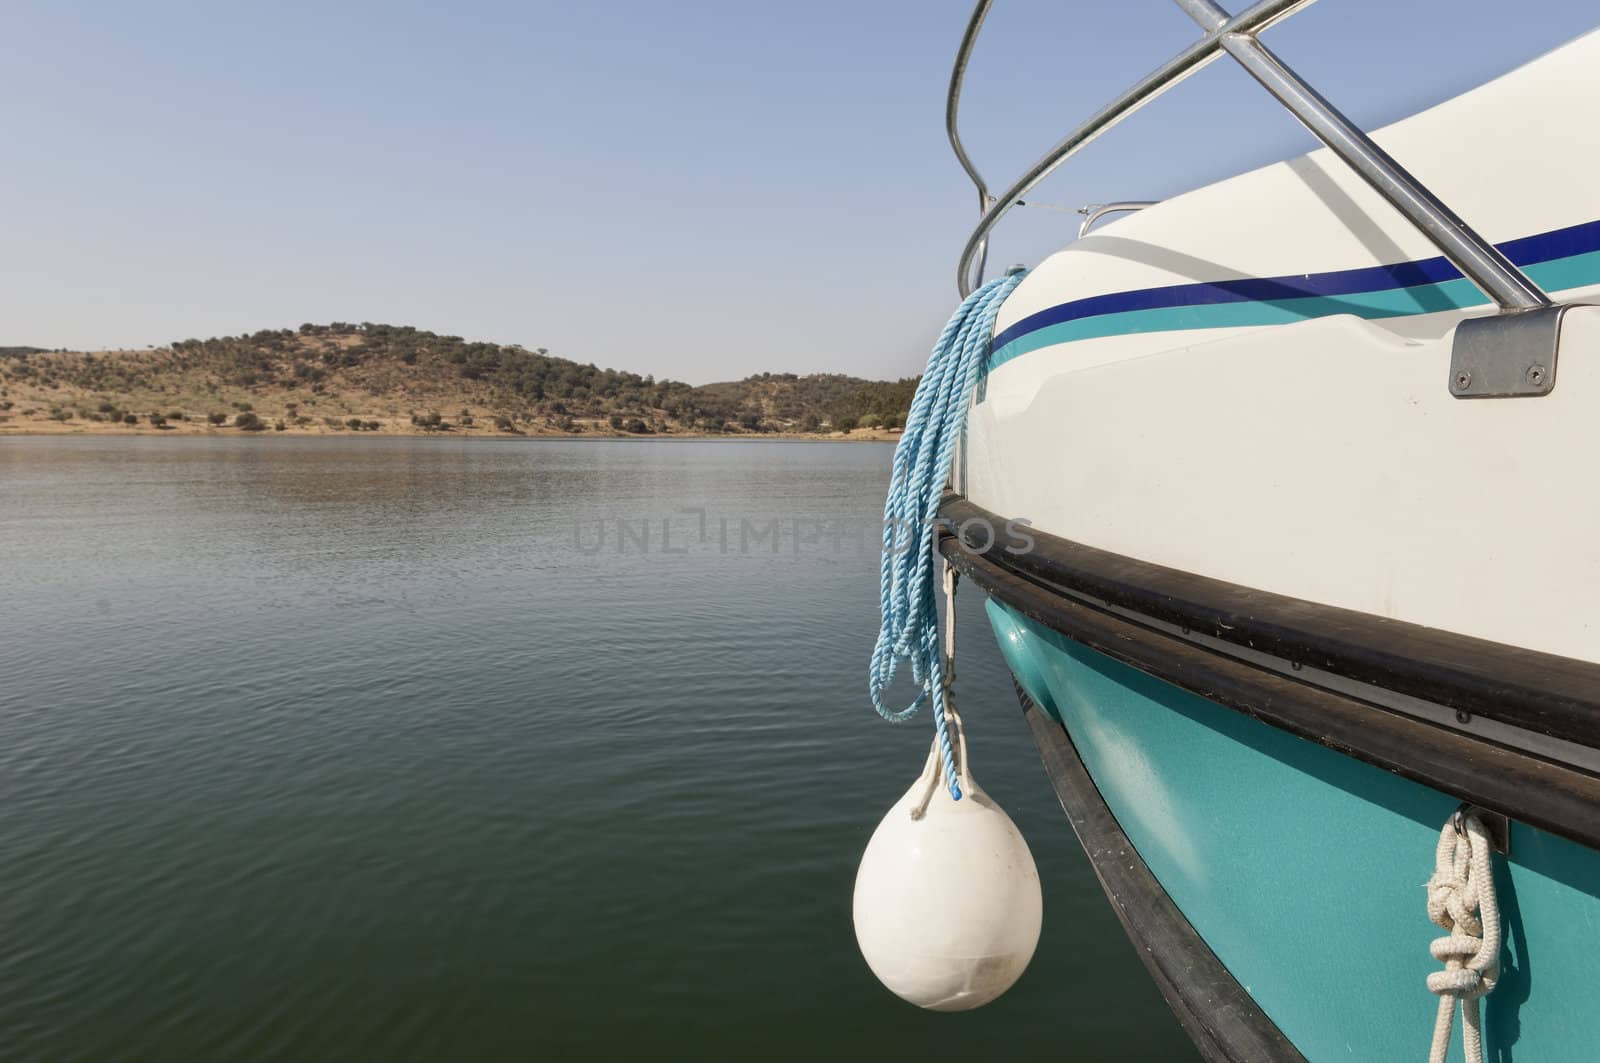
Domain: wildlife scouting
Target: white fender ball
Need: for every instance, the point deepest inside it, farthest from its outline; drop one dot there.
(947, 907)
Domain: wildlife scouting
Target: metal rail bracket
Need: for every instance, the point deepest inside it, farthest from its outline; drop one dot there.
(1496, 824)
(1510, 355)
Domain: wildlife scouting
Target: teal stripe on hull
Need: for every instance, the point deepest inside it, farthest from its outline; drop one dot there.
(1577, 271)
(1303, 869)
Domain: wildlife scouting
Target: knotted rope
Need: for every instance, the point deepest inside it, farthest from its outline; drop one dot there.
(909, 629)
(1461, 900)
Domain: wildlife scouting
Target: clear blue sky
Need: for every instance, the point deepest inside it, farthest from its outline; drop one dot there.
(699, 190)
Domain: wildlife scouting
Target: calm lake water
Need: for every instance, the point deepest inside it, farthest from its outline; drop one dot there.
(394, 749)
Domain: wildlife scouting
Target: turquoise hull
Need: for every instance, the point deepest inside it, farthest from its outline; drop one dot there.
(1303, 869)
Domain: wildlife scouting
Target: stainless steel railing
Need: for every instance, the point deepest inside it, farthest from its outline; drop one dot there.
(1235, 35)
(1095, 211)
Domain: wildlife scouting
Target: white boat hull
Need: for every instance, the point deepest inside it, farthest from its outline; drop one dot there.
(1315, 450)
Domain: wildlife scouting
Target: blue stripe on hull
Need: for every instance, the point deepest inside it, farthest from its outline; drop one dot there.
(1556, 261)
(1303, 868)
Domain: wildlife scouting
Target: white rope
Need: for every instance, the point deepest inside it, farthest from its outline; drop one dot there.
(1051, 206)
(929, 780)
(1461, 900)
(953, 722)
(955, 727)
(950, 622)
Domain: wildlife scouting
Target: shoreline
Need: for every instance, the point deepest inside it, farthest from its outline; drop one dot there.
(207, 431)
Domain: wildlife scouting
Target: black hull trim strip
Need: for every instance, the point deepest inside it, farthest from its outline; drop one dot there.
(1538, 792)
(1540, 692)
(1212, 1007)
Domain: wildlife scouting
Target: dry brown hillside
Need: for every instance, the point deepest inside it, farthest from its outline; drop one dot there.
(369, 377)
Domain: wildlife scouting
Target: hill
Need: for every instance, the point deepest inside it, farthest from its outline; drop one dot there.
(372, 377)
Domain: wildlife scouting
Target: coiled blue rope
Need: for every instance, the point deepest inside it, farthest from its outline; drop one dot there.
(909, 629)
